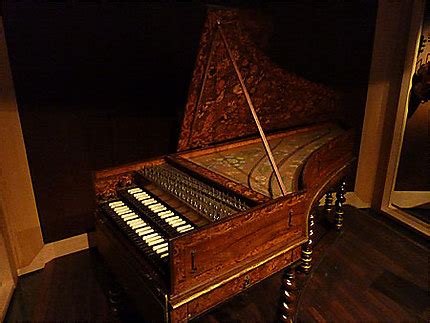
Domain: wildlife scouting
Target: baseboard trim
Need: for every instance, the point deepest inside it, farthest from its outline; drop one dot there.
(6, 292)
(54, 250)
(410, 199)
(354, 200)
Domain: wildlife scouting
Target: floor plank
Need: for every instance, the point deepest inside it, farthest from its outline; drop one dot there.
(374, 270)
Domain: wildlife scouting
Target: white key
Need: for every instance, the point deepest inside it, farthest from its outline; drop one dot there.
(177, 224)
(141, 195)
(126, 208)
(149, 202)
(185, 230)
(168, 220)
(150, 240)
(144, 231)
(166, 216)
(116, 203)
(135, 190)
(184, 227)
(118, 207)
(139, 226)
(159, 246)
(141, 199)
(129, 216)
(175, 221)
(136, 225)
(164, 255)
(145, 226)
(162, 250)
(157, 207)
(155, 242)
(149, 236)
(129, 212)
(166, 213)
(135, 221)
(123, 212)
(126, 211)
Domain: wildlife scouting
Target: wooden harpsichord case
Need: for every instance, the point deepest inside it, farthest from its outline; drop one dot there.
(187, 231)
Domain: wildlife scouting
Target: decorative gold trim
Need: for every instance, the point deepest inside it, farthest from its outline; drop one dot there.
(244, 271)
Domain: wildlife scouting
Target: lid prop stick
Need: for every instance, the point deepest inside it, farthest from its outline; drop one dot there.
(254, 114)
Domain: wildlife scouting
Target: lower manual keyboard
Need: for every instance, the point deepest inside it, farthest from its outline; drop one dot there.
(145, 236)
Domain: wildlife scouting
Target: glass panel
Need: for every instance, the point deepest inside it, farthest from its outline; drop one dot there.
(412, 185)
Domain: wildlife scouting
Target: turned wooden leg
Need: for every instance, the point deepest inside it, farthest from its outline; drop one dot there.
(338, 208)
(288, 296)
(306, 257)
(115, 300)
(328, 205)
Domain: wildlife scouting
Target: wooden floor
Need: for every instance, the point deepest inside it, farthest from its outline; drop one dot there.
(372, 271)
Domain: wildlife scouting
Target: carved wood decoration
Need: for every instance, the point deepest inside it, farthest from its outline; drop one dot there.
(216, 109)
(106, 188)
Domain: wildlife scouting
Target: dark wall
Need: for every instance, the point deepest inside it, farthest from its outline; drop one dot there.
(103, 84)
(97, 85)
(329, 42)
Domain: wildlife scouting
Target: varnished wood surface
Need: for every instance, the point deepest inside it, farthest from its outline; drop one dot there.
(216, 108)
(228, 246)
(373, 271)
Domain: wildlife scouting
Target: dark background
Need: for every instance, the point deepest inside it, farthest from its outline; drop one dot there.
(101, 84)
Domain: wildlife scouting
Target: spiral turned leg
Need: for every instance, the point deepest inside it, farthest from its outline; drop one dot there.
(328, 205)
(289, 296)
(338, 208)
(306, 257)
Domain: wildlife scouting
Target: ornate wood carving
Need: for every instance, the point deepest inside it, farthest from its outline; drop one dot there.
(106, 188)
(216, 109)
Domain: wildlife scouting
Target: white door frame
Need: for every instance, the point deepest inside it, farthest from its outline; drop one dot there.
(397, 32)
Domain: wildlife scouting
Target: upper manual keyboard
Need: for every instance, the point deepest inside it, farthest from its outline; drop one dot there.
(171, 222)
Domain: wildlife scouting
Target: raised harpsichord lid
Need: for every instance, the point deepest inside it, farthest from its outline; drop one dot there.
(217, 111)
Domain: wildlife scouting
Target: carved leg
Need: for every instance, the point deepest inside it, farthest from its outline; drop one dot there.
(338, 208)
(306, 258)
(328, 205)
(288, 297)
(115, 300)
